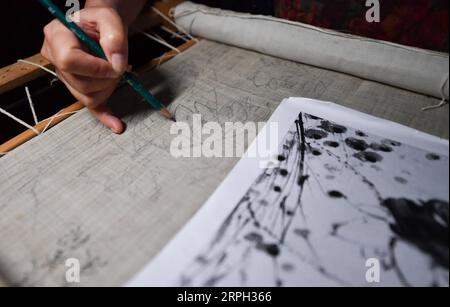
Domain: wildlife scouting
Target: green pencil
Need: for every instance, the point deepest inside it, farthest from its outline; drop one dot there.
(95, 47)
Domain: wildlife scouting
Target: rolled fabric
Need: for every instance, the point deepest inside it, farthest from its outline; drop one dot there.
(414, 69)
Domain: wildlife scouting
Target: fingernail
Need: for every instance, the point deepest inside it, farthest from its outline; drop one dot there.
(116, 126)
(119, 63)
(116, 131)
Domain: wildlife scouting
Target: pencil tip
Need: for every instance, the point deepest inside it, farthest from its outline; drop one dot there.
(168, 115)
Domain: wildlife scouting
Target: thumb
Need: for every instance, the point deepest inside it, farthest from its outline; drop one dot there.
(107, 118)
(113, 36)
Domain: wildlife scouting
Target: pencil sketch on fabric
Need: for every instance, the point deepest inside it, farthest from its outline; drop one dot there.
(78, 191)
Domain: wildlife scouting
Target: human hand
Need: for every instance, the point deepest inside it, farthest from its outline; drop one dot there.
(90, 79)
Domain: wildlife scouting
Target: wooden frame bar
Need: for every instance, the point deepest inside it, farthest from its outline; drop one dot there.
(30, 134)
(19, 73)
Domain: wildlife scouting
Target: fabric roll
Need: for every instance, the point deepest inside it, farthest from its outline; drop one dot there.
(414, 69)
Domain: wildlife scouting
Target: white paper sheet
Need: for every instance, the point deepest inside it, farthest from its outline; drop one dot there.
(330, 221)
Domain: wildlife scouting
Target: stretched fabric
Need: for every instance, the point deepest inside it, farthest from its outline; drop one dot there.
(418, 70)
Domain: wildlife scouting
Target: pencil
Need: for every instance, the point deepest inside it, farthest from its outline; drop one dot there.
(97, 49)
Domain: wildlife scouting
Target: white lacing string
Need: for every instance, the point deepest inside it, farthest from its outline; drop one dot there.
(175, 34)
(158, 39)
(36, 131)
(19, 121)
(437, 106)
(173, 23)
(55, 117)
(30, 102)
(33, 111)
(40, 66)
(444, 100)
(43, 68)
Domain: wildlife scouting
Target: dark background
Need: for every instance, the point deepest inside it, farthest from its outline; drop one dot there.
(21, 23)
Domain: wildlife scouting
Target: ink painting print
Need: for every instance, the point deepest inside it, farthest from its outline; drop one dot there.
(353, 201)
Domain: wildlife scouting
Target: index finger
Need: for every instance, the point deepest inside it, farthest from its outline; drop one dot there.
(69, 56)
